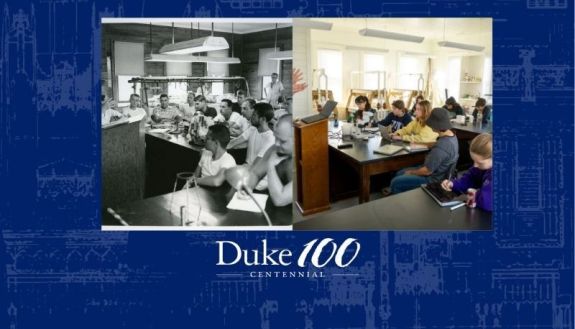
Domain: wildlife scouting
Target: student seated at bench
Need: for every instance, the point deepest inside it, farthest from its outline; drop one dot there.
(214, 159)
(453, 108)
(438, 163)
(478, 177)
(276, 164)
(364, 114)
(259, 136)
(483, 110)
(398, 118)
(417, 130)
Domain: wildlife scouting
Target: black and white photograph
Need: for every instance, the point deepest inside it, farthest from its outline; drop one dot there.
(196, 123)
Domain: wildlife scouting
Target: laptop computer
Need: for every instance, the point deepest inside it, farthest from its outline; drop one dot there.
(438, 194)
(385, 133)
(324, 114)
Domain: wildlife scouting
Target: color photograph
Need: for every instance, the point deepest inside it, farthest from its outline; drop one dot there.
(395, 130)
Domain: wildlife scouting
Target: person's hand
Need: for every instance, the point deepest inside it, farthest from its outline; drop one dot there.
(297, 85)
(396, 137)
(447, 185)
(239, 178)
(274, 159)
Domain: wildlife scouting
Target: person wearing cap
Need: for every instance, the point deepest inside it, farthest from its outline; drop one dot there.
(438, 163)
(485, 110)
(453, 107)
(417, 130)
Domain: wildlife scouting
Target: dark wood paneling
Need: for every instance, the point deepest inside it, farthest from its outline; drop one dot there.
(122, 164)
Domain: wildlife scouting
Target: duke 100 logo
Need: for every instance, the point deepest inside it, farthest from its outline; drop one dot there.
(317, 253)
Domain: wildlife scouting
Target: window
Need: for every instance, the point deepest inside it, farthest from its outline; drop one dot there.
(487, 86)
(453, 76)
(411, 69)
(125, 89)
(373, 62)
(331, 62)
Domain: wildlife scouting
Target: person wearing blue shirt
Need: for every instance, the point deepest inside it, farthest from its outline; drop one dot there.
(398, 118)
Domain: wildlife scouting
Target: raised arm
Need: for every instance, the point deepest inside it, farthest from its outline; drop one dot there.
(280, 194)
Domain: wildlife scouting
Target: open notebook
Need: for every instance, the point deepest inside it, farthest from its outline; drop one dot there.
(389, 149)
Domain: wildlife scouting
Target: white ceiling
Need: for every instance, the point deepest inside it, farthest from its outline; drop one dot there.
(432, 28)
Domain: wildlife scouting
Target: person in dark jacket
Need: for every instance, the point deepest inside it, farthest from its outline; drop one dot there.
(453, 107)
(398, 118)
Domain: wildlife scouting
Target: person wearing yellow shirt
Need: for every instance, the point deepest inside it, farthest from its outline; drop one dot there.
(418, 131)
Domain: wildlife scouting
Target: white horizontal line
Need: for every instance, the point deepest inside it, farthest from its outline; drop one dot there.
(345, 274)
(197, 228)
(229, 274)
(195, 20)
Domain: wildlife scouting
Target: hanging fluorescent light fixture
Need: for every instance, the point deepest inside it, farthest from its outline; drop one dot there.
(390, 35)
(280, 55)
(188, 58)
(456, 45)
(198, 45)
(191, 59)
(449, 44)
(316, 25)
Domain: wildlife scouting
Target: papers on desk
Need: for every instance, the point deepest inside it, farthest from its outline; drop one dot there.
(413, 147)
(389, 149)
(372, 129)
(239, 203)
(158, 130)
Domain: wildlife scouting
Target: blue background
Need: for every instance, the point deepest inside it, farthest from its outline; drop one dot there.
(58, 270)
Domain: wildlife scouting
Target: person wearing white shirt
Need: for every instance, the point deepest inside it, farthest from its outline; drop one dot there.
(109, 114)
(247, 108)
(273, 90)
(188, 109)
(134, 112)
(214, 160)
(259, 136)
(237, 123)
(276, 164)
(165, 112)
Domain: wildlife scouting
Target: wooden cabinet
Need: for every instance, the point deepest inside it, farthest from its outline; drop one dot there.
(312, 166)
